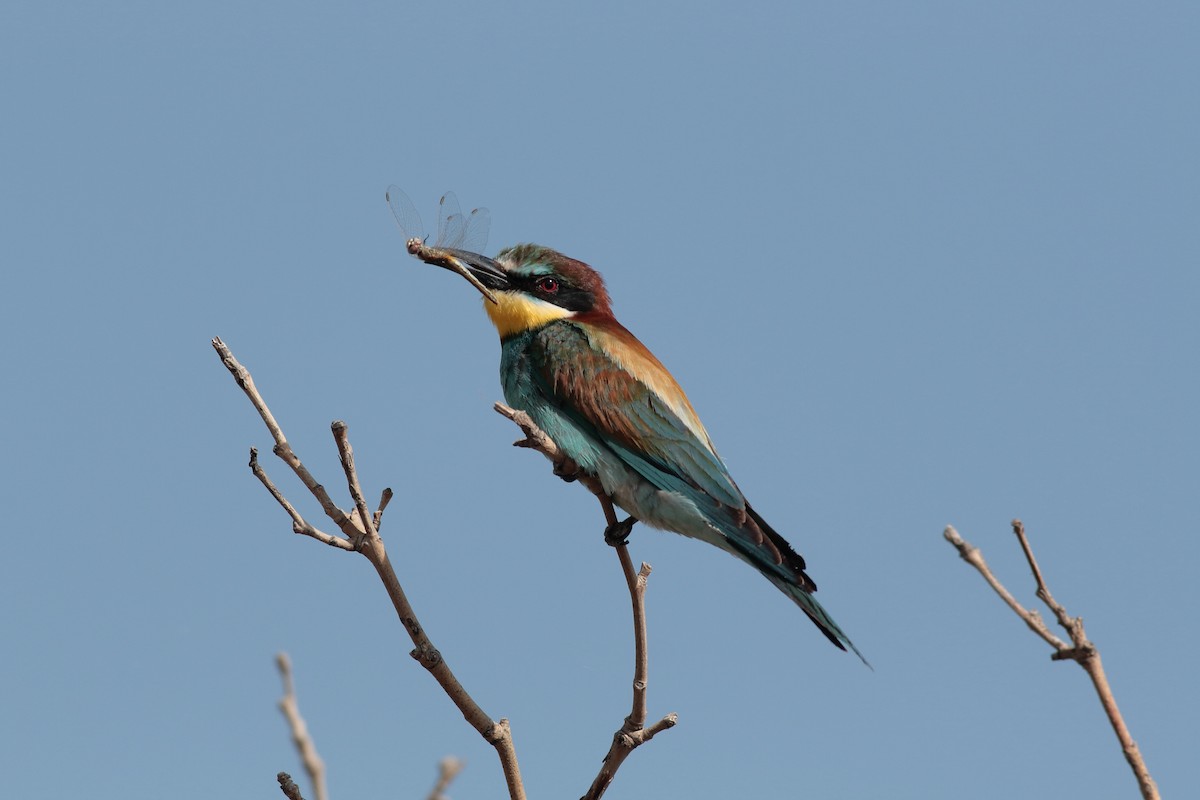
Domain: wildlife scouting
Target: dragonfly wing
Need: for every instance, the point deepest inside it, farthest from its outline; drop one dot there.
(451, 224)
(475, 237)
(455, 230)
(407, 217)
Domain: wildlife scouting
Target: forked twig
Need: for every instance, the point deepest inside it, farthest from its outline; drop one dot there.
(633, 733)
(313, 764)
(360, 530)
(1031, 617)
(1079, 650)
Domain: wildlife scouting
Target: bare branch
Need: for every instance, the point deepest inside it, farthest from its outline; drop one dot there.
(1080, 650)
(361, 533)
(972, 556)
(282, 448)
(299, 524)
(360, 529)
(313, 764)
(536, 439)
(346, 453)
(1073, 626)
(633, 732)
(448, 769)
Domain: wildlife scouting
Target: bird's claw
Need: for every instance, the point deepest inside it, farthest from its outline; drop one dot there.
(617, 534)
(567, 469)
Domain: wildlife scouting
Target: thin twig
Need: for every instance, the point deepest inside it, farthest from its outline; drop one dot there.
(299, 524)
(536, 439)
(1073, 626)
(282, 448)
(1032, 618)
(346, 454)
(1079, 650)
(448, 769)
(633, 732)
(313, 764)
(361, 532)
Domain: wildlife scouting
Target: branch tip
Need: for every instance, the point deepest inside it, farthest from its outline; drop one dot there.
(1080, 650)
(288, 786)
(448, 769)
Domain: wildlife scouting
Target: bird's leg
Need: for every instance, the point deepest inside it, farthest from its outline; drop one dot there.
(615, 533)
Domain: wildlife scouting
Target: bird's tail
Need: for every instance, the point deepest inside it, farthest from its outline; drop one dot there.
(770, 554)
(816, 612)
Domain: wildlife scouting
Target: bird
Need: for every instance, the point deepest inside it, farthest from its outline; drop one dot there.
(613, 408)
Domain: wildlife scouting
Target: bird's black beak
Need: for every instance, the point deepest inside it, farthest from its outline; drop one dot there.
(480, 271)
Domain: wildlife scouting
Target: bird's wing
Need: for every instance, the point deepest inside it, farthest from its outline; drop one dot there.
(608, 382)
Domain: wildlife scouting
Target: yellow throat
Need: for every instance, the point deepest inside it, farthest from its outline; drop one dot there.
(517, 312)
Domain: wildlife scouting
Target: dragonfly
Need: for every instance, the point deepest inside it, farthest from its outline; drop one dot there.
(457, 233)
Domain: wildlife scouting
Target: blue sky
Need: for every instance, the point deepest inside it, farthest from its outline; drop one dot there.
(914, 264)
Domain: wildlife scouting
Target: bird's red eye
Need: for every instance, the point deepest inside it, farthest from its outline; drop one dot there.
(548, 285)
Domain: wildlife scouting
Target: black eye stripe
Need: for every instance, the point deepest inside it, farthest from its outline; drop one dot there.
(563, 294)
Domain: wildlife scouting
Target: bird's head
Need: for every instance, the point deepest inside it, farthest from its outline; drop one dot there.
(528, 286)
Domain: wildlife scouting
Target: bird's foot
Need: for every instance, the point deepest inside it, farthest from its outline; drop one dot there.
(567, 469)
(617, 534)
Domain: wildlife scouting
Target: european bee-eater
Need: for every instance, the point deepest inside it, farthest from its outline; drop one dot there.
(611, 406)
